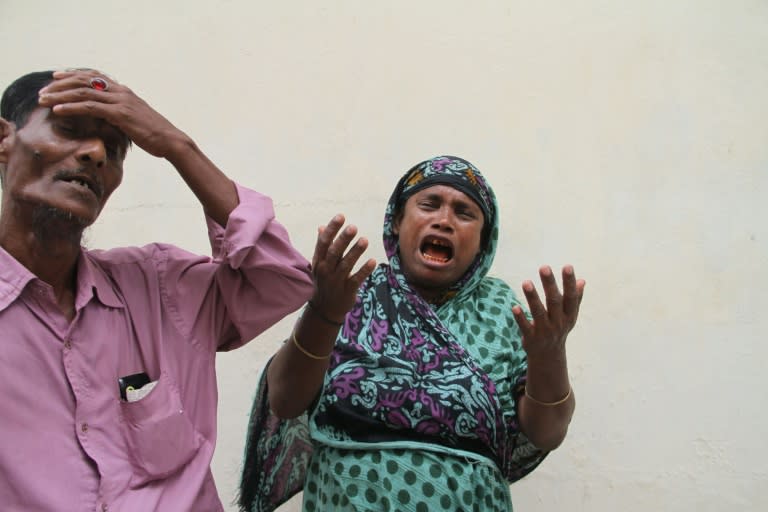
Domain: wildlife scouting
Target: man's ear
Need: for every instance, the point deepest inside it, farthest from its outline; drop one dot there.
(7, 135)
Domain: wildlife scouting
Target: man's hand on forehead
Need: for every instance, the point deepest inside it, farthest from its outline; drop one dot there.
(88, 92)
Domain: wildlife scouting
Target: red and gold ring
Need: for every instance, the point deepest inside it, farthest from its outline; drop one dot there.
(99, 84)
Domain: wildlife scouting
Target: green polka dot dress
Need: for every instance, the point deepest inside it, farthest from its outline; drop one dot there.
(402, 481)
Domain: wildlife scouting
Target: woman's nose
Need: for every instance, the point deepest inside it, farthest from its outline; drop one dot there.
(442, 219)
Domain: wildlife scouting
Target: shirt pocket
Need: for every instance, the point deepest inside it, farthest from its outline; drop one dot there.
(159, 435)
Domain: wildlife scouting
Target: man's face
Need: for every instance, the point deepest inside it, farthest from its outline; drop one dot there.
(70, 164)
(439, 232)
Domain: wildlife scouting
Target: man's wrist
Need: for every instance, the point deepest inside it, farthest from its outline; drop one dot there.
(179, 146)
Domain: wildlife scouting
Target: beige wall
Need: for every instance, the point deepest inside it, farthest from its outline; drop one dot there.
(628, 138)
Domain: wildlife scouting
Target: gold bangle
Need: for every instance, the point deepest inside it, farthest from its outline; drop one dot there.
(307, 352)
(549, 404)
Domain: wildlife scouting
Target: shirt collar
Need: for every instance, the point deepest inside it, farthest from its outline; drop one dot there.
(92, 278)
(92, 282)
(13, 278)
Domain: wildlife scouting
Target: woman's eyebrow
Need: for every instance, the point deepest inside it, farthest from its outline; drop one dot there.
(432, 196)
(464, 203)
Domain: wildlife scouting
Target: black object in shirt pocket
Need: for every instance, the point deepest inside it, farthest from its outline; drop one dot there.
(160, 437)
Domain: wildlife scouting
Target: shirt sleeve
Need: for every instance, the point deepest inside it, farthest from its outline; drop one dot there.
(254, 278)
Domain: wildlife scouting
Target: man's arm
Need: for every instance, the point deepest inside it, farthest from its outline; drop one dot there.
(213, 188)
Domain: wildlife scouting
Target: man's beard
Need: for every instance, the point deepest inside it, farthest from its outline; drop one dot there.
(52, 225)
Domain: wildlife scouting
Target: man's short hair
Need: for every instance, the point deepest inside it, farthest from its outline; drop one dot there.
(20, 98)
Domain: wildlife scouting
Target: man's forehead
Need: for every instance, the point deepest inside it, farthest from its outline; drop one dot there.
(47, 115)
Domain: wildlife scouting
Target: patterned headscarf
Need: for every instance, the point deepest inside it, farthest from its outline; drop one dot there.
(463, 176)
(405, 374)
(443, 170)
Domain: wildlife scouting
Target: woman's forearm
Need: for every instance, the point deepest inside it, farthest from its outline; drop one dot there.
(546, 407)
(295, 375)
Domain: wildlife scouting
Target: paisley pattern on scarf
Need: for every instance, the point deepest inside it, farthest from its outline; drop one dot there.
(408, 375)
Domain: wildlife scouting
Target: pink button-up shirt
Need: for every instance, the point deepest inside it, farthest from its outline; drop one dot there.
(67, 440)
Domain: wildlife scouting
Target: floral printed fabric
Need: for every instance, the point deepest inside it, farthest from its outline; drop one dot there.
(406, 376)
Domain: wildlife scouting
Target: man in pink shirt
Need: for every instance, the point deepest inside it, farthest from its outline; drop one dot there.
(83, 330)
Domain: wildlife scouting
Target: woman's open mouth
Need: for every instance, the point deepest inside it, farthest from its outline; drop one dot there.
(436, 250)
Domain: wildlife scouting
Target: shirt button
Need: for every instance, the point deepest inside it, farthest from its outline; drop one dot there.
(84, 428)
(67, 344)
(104, 507)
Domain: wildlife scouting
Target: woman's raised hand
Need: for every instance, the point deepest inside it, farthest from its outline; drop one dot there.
(332, 264)
(544, 337)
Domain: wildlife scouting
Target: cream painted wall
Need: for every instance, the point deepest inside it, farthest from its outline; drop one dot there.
(628, 138)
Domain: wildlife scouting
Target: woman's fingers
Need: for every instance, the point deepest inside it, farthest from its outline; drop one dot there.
(325, 235)
(526, 328)
(538, 311)
(335, 254)
(552, 293)
(573, 291)
(333, 263)
(335, 259)
(363, 273)
(551, 323)
(350, 259)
